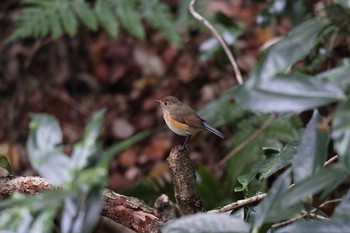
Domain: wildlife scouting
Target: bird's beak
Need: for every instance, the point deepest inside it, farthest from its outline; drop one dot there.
(158, 101)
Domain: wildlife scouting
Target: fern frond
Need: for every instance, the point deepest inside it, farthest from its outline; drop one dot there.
(85, 14)
(129, 17)
(68, 19)
(106, 17)
(159, 15)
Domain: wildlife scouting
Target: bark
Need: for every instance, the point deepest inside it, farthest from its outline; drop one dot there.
(184, 180)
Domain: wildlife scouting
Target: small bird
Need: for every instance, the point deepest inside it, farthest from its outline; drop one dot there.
(183, 120)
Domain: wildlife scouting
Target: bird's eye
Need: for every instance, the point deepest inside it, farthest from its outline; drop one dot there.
(165, 103)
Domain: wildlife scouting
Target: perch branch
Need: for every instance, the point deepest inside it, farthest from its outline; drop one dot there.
(218, 36)
(128, 211)
(184, 180)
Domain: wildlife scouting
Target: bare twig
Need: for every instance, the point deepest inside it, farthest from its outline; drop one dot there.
(331, 160)
(221, 40)
(240, 203)
(247, 141)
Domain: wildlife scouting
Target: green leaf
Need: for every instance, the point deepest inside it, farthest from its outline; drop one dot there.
(55, 24)
(284, 93)
(274, 161)
(207, 222)
(45, 152)
(85, 14)
(22, 213)
(269, 90)
(206, 183)
(341, 131)
(130, 18)
(312, 151)
(344, 3)
(336, 76)
(68, 19)
(87, 148)
(278, 161)
(291, 49)
(81, 211)
(106, 17)
(222, 111)
(342, 211)
(323, 180)
(4, 163)
(270, 208)
(316, 227)
(159, 16)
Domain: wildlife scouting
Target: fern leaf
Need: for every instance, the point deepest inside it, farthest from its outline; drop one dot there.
(129, 17)
(85, 14)
(68, 19)
(159, 15)
(106, 17)
(55, 24)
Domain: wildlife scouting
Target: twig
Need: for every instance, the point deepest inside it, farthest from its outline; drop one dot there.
(331, 160)
(247, 141)
(289, 221)
(259, 197)
(221, 40)
(240, 203)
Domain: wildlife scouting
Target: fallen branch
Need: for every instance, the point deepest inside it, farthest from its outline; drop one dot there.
(128, 211)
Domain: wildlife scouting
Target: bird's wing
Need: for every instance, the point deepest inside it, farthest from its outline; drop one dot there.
(188, 116)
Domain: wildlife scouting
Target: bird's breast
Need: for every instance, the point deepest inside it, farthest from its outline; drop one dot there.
(177, 127)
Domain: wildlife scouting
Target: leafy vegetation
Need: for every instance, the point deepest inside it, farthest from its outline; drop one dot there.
(83, 177)
(56, 17)
(300, 72)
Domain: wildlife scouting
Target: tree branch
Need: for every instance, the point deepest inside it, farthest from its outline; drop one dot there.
(128, 211)
(184, 180)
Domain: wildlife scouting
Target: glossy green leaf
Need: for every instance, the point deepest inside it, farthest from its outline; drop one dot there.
(81, 213)
(269, 90)
(44, 148)
(87, 148)
(285, 93)
(316, 227)
(336, 76)
(207, 222)
(291, 49)
(222, 111)
(312, 151)
(270, 209)
(323, 180)
(4, 163)
(341, 131)
(342, 211)
(278, 161)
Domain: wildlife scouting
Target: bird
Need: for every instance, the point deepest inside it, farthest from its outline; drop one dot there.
(183, 120)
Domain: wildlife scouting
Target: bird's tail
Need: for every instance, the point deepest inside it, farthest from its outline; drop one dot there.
(213, 130)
